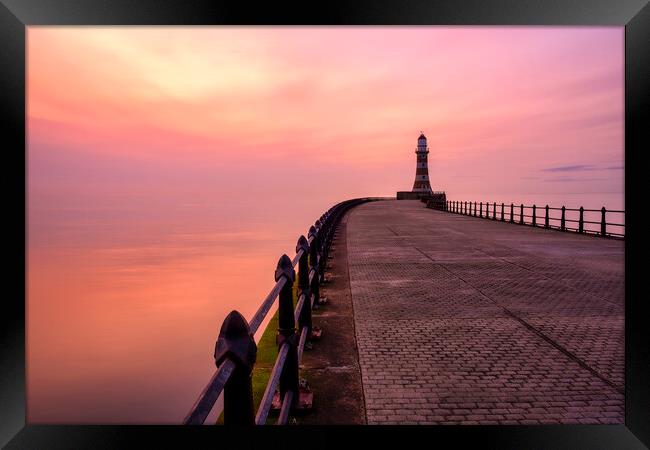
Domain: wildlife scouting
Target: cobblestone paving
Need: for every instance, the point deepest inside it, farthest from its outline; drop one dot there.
(461, 320)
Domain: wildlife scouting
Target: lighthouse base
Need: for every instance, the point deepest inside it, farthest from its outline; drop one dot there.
(409, 195)
(435, 200)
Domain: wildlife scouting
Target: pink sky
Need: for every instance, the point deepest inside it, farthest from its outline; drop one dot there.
(217, 103)
(169, 168)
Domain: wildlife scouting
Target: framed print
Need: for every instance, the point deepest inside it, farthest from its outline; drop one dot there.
(372, 221)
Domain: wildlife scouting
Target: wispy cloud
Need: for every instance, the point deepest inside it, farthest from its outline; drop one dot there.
(572, 179)
(572, 168)
(580, 168)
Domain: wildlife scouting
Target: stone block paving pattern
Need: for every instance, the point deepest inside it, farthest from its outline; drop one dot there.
(462, 320)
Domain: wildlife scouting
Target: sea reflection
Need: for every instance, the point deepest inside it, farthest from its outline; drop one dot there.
(126, 334)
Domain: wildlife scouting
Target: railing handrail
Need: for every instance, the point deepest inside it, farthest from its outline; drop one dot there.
(539, 212)
(235, 353)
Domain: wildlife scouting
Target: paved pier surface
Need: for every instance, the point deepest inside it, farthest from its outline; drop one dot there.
(333, 374)
(473, 321)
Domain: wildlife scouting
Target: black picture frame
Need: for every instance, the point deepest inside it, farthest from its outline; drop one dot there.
(16, 15)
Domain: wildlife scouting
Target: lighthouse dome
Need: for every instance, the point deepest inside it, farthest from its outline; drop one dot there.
(422, 136)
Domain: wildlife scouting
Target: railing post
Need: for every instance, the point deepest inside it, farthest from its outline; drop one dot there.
(502, 208)
(563, 219)
(512, 213)
(546, 218)
(325, 231)
(534, 215)
(474, 209)
(319, 240)
(487, 210)
(481, 210)
(313, 262)
(236, 343)
(287, 328)
(521, 215)
(494, 212)
(304, 320)
(465, 209)
(326, 228)
(603, 223)
(581, 221)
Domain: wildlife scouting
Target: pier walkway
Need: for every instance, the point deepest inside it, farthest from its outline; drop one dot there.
(465, 320)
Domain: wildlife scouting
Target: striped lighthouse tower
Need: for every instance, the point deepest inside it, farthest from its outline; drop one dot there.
(421, 183)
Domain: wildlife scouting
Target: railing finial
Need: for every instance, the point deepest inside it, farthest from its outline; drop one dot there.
(235, 343)
(285, 269)
(302, 244)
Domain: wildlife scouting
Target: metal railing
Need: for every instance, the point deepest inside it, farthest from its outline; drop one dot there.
(235, 349)
(570, 219)
(436, 200)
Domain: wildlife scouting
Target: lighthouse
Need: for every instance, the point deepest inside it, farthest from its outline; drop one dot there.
(421, 184)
